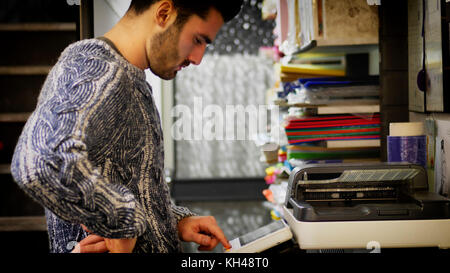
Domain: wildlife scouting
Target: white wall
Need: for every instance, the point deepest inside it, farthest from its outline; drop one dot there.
(107, 13)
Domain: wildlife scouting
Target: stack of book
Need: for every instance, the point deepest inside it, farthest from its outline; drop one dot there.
(311, 65)
(290, 72)
(340, 120)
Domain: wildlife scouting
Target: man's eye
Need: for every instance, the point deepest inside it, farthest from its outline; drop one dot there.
(197, 41)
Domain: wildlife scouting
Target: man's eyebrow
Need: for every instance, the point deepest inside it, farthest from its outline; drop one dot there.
(206, 38)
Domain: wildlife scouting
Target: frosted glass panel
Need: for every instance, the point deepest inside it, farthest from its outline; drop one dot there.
(220, 81)
(231, 74)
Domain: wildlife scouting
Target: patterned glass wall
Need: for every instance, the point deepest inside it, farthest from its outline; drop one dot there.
(246, 33)
(231, 74)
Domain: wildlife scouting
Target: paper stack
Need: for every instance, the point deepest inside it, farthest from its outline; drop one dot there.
(339, 120)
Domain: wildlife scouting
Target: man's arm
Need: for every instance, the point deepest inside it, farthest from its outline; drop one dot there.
(202, 230)
(67, 184)
(51, 161)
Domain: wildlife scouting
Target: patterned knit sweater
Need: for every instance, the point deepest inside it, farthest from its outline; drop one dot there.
(92, 153)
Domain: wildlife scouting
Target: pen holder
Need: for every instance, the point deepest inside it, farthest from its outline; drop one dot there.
(270, 151)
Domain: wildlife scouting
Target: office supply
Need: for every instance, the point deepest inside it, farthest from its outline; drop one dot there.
(342, 109)
(270, 151)
(261, 239)
(310, 69)
(322, 23)
(331, 206)
(332, 127)
(407, 142)
(328, 91)
(406, 129)
(353, 143)
(335, 153)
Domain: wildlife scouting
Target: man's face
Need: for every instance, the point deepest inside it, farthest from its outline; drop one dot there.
(177, 47)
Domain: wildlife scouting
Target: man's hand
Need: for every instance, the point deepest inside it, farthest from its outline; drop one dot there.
(96, 244)
(120, 245)
(202, 230)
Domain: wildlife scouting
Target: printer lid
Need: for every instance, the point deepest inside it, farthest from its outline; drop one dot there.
(323, 175)
(375, 191)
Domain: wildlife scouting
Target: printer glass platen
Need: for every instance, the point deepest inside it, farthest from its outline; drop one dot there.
(346, 193)
(356, 185)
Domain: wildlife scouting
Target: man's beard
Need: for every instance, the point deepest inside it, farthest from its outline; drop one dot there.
(165, 52)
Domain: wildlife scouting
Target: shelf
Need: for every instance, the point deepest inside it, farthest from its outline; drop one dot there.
(5, 169)
(38, 27)
(303, 25)
(14, 117)
(23, 223)
(342, 102)
(25, 70)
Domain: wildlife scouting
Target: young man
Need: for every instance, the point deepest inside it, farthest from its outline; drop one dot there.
(92, 151)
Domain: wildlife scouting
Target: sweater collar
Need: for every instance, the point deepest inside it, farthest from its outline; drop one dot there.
(132, 70)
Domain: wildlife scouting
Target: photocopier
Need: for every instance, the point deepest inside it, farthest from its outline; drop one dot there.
(331, 206)
(356, 206)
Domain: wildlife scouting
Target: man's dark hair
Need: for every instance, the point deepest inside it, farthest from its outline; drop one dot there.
(185, 8)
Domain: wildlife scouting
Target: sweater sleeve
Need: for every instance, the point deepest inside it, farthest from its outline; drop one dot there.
(51, 162)
(181, 212)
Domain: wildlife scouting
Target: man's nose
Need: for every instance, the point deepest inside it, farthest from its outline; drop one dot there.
(196, 55)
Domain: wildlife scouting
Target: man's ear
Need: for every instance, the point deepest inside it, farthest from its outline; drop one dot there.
(164, 13)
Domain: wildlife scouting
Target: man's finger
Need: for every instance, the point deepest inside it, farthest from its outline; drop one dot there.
(124, 245)
(85, 228)
(212, 244)
(99, 247)
(91, 239)
(201, 239)
(216, 232)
